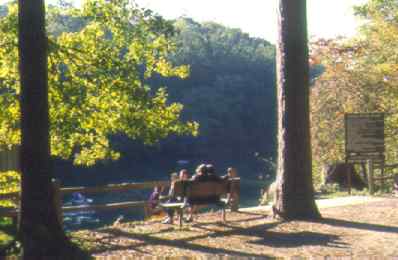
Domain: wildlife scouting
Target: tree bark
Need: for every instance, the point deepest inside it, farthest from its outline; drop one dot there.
(41, 234)
(294, 192)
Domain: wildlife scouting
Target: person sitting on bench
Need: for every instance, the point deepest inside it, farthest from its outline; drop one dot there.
(231, 173)
(233, 197)
(211, 173)
(200, 173)
(184, 175)
(153, 201)
(204, 173)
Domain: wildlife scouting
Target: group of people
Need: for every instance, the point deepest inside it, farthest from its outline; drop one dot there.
(203, 173)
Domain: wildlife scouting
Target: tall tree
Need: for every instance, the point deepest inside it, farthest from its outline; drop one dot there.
(40, 231)
(295, 192)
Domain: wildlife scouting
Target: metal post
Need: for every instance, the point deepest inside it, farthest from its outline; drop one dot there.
(348, 169)
(382, 175)
(370, 176)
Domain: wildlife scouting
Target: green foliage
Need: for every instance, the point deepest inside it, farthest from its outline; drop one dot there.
(9, 183)
(4, 237)
(7, 235)
(97, 80)
(360, 76)
(386, 10)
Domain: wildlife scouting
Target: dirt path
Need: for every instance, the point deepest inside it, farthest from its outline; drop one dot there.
(365, 230)
(327, 203)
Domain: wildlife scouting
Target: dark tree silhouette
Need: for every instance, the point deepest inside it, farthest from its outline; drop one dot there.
(40, 230)
(295, 192)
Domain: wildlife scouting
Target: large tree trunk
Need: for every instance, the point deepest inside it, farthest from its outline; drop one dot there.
(41, 233)
(295, 193)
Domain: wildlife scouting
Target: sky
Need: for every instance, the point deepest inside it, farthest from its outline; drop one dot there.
(326, 18)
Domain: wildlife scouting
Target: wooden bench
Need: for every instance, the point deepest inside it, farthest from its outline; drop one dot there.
(194, 193)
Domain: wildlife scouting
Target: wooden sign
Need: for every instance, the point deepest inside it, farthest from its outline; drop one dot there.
(364, 137)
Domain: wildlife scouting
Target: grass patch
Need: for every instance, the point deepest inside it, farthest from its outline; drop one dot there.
(330, 191)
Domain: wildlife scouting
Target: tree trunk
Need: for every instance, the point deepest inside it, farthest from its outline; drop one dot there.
(40, 232)
(295, 192)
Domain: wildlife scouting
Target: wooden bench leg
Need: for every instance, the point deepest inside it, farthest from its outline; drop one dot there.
(223, 215)
(146, 211)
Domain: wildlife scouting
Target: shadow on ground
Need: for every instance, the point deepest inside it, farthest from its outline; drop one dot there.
(358, 225)
(298, 239)
(278, 239)
(260, 234)
(140, 241)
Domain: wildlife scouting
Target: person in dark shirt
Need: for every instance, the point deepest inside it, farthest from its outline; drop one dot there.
(173, 179)
(204, 173)
(211, 173)
(200, 173)
(183, 175)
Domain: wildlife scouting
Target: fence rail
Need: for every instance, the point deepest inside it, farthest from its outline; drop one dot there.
(60, 192)
(388, 166)
(108, 206)
(383, 167)
(114, 187)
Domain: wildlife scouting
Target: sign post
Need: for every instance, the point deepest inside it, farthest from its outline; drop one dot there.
(364, 140)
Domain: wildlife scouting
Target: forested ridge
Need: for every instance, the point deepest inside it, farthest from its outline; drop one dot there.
(230, 92)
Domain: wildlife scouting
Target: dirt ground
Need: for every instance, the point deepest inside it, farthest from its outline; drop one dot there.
(367, 230)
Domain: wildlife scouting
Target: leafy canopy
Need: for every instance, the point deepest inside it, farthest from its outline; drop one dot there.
(97, 80)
